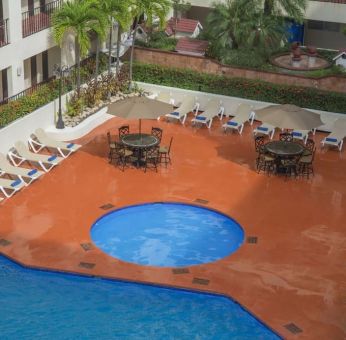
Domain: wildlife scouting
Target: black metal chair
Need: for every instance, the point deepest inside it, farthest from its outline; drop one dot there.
(305, 164)
(157, 132)
(112, 148)
(286, 137)
(309, 147)
(151, 158)
(259, 143)
(165, 151)
(124, 130)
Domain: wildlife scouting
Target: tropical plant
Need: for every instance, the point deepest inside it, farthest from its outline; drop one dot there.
(79, 17)
(118, 11)
(294, 9)
(151, 9)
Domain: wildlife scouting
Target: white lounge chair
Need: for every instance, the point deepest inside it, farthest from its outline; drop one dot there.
(188, 105)
(26, 175)
(243, 114)
(265, 129)
(337, 135)
(8, 187)
(40, 140)
(301, 135)
(165, 97)
(212, 109)
(20, 153)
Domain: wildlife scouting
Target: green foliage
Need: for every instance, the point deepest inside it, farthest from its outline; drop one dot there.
(159, 39)
(243, 88)
(74, 105)
(243, 58)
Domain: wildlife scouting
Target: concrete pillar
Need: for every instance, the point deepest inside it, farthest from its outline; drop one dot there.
(14, 11)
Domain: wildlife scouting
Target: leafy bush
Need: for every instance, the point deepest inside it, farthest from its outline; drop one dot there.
(240, 87)
(160, 41)
(243, 58)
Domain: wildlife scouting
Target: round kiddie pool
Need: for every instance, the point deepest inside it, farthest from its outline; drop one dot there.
(167, 234)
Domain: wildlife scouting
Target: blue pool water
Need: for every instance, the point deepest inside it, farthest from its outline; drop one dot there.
(43, 305)
(167, 234)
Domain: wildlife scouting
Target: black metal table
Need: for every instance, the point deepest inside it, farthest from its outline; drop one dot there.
(284, 153)
(284, 149)
(139, 142)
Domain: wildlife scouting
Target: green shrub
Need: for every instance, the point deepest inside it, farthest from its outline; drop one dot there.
(240, 87)
(160, 41)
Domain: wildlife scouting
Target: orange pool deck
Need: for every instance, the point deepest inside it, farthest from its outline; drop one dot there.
(295, 273)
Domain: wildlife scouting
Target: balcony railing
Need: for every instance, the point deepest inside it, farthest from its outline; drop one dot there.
(39, 18)
(4, 32)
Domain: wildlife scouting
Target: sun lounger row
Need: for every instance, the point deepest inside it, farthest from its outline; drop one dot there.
(20, 153)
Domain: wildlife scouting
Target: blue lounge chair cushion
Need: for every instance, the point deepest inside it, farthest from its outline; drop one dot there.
(175, 113)
(232, 123)
(15, 183)
(69, 146)
(262, 128)
(32, 172)
(201, 118)
(334, 140)
(52, 158)
(297, 134)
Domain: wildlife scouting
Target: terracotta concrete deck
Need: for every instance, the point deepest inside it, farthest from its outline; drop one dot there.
(296, 271)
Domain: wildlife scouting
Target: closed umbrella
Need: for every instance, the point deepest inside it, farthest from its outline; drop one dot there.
(139, 108)
(289, 116)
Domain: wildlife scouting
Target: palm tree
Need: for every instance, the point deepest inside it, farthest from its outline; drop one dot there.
(118, 11)
(151, 9)
(229, 24)
(78, 17)
(293, 9)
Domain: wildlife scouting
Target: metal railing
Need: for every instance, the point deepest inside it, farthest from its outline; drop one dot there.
(4, 32)
(39, 18)
(71, 79)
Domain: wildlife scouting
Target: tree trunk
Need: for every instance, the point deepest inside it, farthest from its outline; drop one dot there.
(118, 49)
(132, 49)
(97, 62)
(110, 49)
(268, 7)
(78, 66)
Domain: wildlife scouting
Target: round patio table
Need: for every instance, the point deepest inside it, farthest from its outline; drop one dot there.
(284, 149)
(139, 142)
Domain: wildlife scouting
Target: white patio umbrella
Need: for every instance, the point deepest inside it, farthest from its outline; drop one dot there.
(289, 116)
(139, 108)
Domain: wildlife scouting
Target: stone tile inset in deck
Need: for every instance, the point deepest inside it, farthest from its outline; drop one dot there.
(87, 246)
(252, 239)
(180, 271)
(201, 201)
(293, 328)
(86, 265)
(200, 281)
(4, 243)
(107, 206)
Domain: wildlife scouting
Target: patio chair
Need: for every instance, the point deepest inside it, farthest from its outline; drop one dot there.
(305, 165)
(151, 158)
(165, 151)
(309, 147)
(213, 109)
(123, 130)
(265, 129)
(286, 137)
(40, 140)
(9, 187)
(337, 135)
(188, 105)
(243, 114)
(157, 132)
(26, 175)
(20, 153)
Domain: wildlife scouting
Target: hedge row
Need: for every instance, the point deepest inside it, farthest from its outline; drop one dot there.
(241, 87)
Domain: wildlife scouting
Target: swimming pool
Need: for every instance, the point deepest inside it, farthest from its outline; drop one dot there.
(167, 234)
(45, 305)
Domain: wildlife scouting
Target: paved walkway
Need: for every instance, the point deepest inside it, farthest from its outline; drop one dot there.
(294, 274)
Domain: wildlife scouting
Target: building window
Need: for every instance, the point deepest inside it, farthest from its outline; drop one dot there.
(324, 25)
